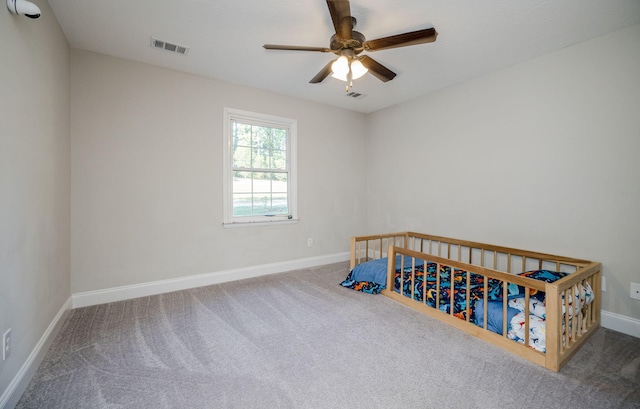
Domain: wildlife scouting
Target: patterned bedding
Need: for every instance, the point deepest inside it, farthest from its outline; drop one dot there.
(371, 278)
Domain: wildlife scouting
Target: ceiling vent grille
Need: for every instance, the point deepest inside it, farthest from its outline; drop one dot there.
(355, 95)
(167, 46)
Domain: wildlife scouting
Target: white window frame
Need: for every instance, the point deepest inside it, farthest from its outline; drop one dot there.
(232, 114)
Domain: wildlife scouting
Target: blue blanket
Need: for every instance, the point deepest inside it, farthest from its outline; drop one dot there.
(494, 314)
(375, 271)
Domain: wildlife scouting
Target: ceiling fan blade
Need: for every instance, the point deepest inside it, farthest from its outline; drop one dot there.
(324, 73)
(341, 16)
(378, 70)
(296, 48)
(428, 35)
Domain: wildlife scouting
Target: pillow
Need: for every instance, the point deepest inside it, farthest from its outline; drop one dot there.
(494, 287)
(582, 295)
(541, 275)
(537, 331)
(544, 275)
(536, 307)
(494, 290)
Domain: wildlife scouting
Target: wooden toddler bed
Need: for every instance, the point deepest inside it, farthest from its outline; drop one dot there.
(539, 306)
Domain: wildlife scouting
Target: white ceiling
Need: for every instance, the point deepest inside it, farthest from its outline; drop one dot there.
(226, 37)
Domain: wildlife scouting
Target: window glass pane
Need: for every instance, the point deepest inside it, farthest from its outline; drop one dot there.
(261, 137)
(261, 182)
(279, 139)
(278, 159)
(241, 134)
(279, 183)
(242, 205)
(279, 204)
(241, 182)
(261, 204)
(241, 157)
(260, 159)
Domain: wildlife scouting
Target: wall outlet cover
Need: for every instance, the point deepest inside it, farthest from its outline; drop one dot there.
(6, 344)
(635, 291)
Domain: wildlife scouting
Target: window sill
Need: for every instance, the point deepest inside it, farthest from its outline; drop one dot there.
(234, 225)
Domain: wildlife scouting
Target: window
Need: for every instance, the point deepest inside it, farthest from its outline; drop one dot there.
(259, 168)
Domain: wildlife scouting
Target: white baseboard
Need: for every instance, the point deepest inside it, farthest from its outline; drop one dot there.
(127, 292)
(610, 320)
(16, 388)
(621, 323)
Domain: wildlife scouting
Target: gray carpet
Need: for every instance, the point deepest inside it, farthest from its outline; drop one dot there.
(299, 340)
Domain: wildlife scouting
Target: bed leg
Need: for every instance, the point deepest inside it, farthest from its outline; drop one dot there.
(553, 328)
(391, 269)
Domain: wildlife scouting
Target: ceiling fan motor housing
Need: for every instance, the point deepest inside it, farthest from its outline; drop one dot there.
(339, 45)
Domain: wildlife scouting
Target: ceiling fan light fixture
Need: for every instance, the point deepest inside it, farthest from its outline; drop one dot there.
(340, 68)
(340, 77)
(358, 69)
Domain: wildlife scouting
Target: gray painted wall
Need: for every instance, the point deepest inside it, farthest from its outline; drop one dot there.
(541, 156)
(147, 176)
(34, 181)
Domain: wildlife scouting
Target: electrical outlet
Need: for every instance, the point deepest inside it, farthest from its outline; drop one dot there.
(604, 284)
(310, 242)
(6, 345)
(635, 291)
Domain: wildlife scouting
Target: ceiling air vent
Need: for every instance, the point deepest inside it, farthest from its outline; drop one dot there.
(167, 46)
(355, 95)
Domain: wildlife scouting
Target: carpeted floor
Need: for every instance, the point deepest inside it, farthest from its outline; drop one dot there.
(299, 340)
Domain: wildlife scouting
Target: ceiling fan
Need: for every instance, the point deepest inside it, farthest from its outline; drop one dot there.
(348, 44)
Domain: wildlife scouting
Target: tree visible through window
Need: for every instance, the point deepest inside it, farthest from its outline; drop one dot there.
(260, 172)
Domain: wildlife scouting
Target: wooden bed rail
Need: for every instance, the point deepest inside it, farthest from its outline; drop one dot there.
(365, 248)
(566, 329)
(498, 258)
(567, 332)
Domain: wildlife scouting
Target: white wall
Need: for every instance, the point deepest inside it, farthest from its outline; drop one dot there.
(147, 176)
(34, 182)
(542, 155)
